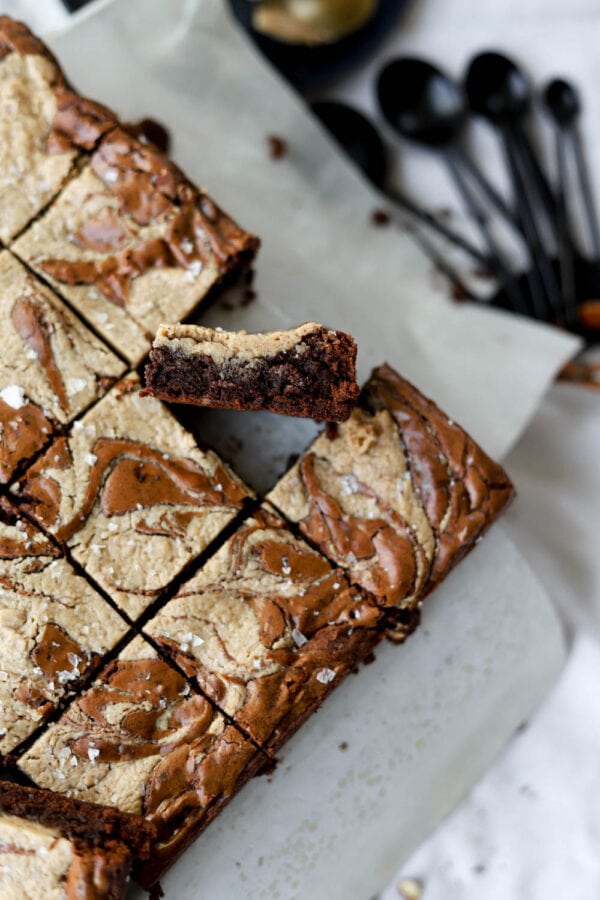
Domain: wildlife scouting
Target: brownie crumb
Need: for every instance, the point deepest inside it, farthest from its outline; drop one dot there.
(459, 293)
(380, 218)
(331, 430)
(249, 296)
(156, 892)
(369, 659)
(343, 745)
(278, 148)
(149, 131)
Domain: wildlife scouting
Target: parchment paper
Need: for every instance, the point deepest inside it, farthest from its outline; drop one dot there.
(184, 62)
(424, 721)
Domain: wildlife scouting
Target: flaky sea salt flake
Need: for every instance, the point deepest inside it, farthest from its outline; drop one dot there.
(325, 676)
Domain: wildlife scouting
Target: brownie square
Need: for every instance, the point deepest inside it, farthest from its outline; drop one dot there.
(58, 848)
(132, 243)
(33, 167)
(141, 740)
(267, 628)
(51, 366)
(132, 495)
(305, 371)
(54, 628)
(397, 496)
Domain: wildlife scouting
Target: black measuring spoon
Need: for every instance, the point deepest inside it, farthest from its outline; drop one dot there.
(425, 106)
(361, 141)
(499, 91)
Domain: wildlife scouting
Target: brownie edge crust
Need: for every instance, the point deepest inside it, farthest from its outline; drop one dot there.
(308, 371)
(61, 849)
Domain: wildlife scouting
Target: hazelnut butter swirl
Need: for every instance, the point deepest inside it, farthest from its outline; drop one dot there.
(132, 495)
(397, 496)
(267, 628)
(54, 628)
(142, 741)
(131, 243)
(51, 366)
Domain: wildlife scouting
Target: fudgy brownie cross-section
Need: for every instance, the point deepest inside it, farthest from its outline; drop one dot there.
(58, 848)
(141, 740)
(397, 496)
(132, 495)
(267, 628)
(307, 371)
(54, 628)
(51, 366)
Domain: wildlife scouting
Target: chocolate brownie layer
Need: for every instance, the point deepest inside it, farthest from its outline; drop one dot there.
(267, 628)
(132, 495)
(51, 366)
(52, 846)
(54, 629)
(398, 496)
(307, 371)
(142, 741)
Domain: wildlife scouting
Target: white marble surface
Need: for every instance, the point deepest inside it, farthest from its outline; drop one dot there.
(529, 830)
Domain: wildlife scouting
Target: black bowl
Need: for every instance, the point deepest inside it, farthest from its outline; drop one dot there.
(312, 68)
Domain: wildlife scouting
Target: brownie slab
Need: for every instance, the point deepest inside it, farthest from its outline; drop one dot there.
(32, 166)
(131, 243)
(398, 496)
(51, 366)
(141, 740)
(60, 849)
(306, 371)
(54, 628)
(267, 628)
(132, 495)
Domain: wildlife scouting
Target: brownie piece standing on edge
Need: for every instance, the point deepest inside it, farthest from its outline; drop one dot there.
(307, 371)
(398, 496)
(33, 166)
(54, 628)
(131, 243)
(51, 366)
(267, 628)
(141, 740)
(132, 495)
(60, 849)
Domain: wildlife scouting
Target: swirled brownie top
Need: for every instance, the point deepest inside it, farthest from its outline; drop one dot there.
(131, 242)
(305, 371)
(54, 628)
(141, 740)
(132, 495)
(398, 495)
(267, 628)
(51, 366)
(33, 167)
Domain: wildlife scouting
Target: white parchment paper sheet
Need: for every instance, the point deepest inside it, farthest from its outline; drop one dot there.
(424, 721)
